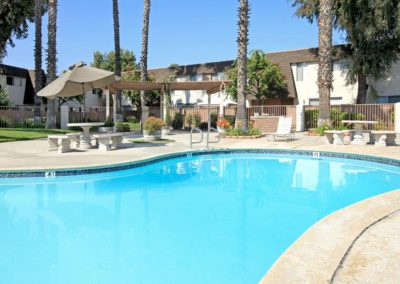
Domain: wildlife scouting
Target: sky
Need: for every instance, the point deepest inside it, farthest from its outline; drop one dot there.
(181, 31)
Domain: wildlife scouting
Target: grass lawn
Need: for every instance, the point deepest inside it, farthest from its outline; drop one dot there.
(17, 134)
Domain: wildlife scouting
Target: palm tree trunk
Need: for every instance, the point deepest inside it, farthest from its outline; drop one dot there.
(52, 60)
(38, 58)
(117, 50)
(241, 114)
(325, 21)
(143, 59)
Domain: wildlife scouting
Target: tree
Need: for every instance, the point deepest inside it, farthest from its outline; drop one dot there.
(14, 15)
(325, 28)
(145, 44)
(243, 39)
(117, 50)
(265, 80)
(106, 61)
(39, 10)
(51, 60)
(372, 32)
(4, 98)
(151, 97)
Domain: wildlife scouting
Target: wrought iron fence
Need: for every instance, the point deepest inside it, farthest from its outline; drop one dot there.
(382, 113)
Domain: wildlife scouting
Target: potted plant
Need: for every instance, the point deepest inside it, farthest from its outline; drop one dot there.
(223, 124)
(152, 128)
(166, 129)
(108, 126)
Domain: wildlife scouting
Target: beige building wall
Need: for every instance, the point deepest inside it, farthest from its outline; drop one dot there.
(307, 89)
(387, 87)
(16, 91)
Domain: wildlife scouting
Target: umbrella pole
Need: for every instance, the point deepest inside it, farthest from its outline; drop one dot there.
(84, 103)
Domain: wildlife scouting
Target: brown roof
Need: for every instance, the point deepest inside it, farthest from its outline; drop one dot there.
(283, 58)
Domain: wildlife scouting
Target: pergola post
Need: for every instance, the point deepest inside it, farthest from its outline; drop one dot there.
(107, 92)
(114, 108)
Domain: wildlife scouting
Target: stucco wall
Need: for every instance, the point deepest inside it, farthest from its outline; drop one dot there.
(389, 86)
(15, 92)
(308, 89)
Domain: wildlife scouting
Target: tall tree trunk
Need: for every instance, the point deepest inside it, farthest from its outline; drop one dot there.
(241, 114)
(325, 21)
(145, 45)
(117, 50)
(362, 89)
(52, 60)
(38, 58)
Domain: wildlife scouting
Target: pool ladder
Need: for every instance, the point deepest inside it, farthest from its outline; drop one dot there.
(198, 130)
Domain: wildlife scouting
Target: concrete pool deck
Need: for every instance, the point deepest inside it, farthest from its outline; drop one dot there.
(357, 244)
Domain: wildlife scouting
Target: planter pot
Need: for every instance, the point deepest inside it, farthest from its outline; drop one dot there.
(166, 130)
(220, 130)
(152, 136)
(106, 129)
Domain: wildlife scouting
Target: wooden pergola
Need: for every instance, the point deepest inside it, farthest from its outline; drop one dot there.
(211, 87)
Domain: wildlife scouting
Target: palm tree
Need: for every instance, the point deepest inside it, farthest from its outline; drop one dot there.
(145, 44)
(51, 60)
(325, 22)
(38, 56)
(243, 39)
(117, 50)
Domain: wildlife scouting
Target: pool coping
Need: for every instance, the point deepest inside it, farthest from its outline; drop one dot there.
(318, 255)
(52, 172)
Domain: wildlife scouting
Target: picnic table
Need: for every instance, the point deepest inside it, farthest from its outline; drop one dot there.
(358, 130)
(85, 142)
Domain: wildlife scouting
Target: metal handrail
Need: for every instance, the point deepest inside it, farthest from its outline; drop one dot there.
(191, 138)
(208, 134)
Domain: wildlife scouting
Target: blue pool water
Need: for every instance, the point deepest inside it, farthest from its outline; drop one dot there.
(206, 219)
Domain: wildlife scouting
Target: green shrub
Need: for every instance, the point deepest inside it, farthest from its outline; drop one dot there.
(177, 122)
(203, 125)
(122, 127)
(109, 122)
(254, 132)
(235, 132)
(230, 119)
(168, 119)
(196, 120)
(189, 119)
(5, 122)
(321, 130)
(26, 123)
(214, 119)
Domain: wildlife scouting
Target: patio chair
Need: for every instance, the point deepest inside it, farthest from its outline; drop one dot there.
(284, 129)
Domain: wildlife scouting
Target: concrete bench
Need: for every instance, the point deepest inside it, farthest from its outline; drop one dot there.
(60, 143)
(76, 137)
(383, 137)
(109, 141)
(334, 137)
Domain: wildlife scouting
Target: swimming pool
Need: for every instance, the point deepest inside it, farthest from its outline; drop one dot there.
(217, 218)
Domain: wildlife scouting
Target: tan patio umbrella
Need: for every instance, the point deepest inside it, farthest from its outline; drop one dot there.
(77, 80)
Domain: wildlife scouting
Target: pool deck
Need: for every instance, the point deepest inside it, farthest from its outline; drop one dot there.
(357, 244)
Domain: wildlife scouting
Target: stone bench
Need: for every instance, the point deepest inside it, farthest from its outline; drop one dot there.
(76, 137)
(60, 143)
(109, 141)
(383, 137)
(334, 137)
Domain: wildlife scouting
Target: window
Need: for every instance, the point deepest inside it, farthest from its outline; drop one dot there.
(300, 71)
(193, 78)
(394, 99)
(313, 102)
(20, 82)
(10, 81)
(214, 77)
(340, 65)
